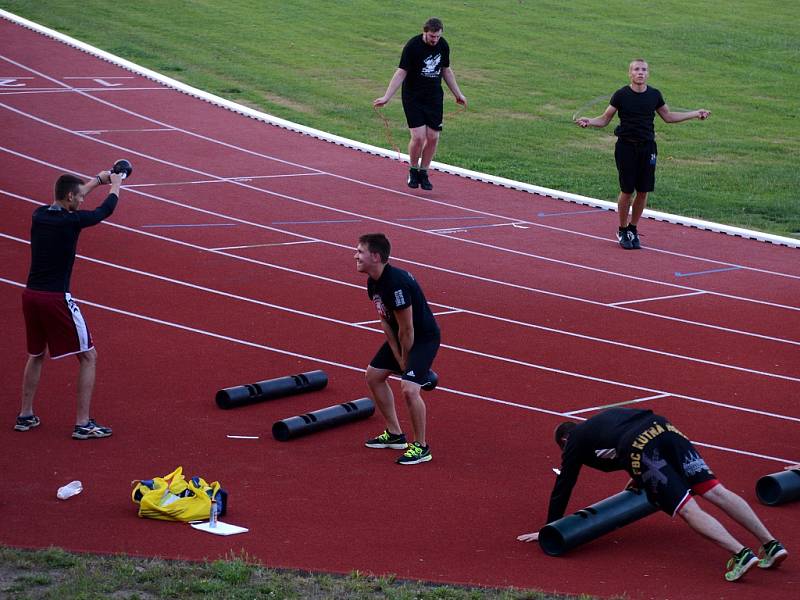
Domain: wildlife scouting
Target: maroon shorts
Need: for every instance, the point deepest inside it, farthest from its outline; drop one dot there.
(54, 322)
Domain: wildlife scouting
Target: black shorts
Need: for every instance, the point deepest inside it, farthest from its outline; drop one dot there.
(669, 467)
(420, 360)
(424, 112)
(636, 164)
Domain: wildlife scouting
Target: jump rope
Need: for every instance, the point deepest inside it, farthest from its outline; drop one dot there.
(387, 128)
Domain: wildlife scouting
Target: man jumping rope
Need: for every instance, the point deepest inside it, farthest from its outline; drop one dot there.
(425, 61)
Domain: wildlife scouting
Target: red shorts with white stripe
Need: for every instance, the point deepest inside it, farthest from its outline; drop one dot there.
(54, 322)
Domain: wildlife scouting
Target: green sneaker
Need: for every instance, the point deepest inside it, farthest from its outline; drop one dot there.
(395, 441)
(740, 563)
(771, 554)
(415, 454)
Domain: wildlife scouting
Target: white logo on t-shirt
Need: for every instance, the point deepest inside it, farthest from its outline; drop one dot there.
(431, 68)
(399, 299)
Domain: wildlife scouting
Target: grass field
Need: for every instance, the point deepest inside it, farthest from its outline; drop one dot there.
(525, 67)
(53, 573)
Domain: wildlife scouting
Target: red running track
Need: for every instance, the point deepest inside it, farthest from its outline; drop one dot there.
(229, 260)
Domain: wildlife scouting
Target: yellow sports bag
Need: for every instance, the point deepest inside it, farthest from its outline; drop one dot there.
(174, 498)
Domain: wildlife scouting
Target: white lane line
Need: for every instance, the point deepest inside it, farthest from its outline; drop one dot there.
(463, 228)
(499, 248)
(244, 178)
(353, 368)
(615, 404)
(393, 223)
(464, 310)
(382, 188)
(174, 225)
(146, 130)
(78, 90)
(448, 346)
(655, 298)
(377, 321)
(424, 266)
(264, 245)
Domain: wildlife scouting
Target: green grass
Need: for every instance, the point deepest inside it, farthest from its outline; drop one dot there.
(525, 68)
(54, 573)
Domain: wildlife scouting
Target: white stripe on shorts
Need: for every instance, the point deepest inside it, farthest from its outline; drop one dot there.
(80, 324)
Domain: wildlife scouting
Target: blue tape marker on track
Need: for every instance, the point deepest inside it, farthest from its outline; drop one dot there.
(315, 222)
(677, 274)
(571, 212)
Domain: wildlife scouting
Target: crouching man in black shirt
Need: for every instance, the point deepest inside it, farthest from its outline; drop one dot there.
(412, 340)
(664, 463)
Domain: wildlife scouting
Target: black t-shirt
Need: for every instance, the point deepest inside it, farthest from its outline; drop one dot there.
(423, 65)
(602, 443)
(637, 111)
(397, 289)
(54, 241)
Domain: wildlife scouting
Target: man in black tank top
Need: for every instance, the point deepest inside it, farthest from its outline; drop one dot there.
(636, 152)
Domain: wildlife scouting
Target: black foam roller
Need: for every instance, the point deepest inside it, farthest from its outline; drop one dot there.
(270, 389)
(588, 524)
(779, 488)
(323, 418)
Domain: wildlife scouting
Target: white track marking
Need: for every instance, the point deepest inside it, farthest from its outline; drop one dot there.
(604, 406)
(448, 346)
(395, 224)
(264, 245)
(535, 224)
(655, 298)
(219, 180)
(421, 265)
(357, 369)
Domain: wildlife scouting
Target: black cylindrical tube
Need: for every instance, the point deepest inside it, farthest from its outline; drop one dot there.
(588, 524)
(241, 395)
(779, 488)
(323, 418)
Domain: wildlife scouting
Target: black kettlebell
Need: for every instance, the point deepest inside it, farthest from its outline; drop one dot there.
(123, 166)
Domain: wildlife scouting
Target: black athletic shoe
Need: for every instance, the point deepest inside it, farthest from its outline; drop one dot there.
(395, 441)
(633, 235)
(90, 431)
(26, 423)
(415, 454)
(413, 178)
(624, 238)
(424, 182)
(739, 564)
(771, 554)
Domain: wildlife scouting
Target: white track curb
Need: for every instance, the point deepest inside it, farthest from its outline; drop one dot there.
(509, 183)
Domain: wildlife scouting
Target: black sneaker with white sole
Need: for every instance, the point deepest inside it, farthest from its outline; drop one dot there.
(624, 238)
(26, 423)
(90, 431)
(416, 453)
(633, 236)
(395, 441)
